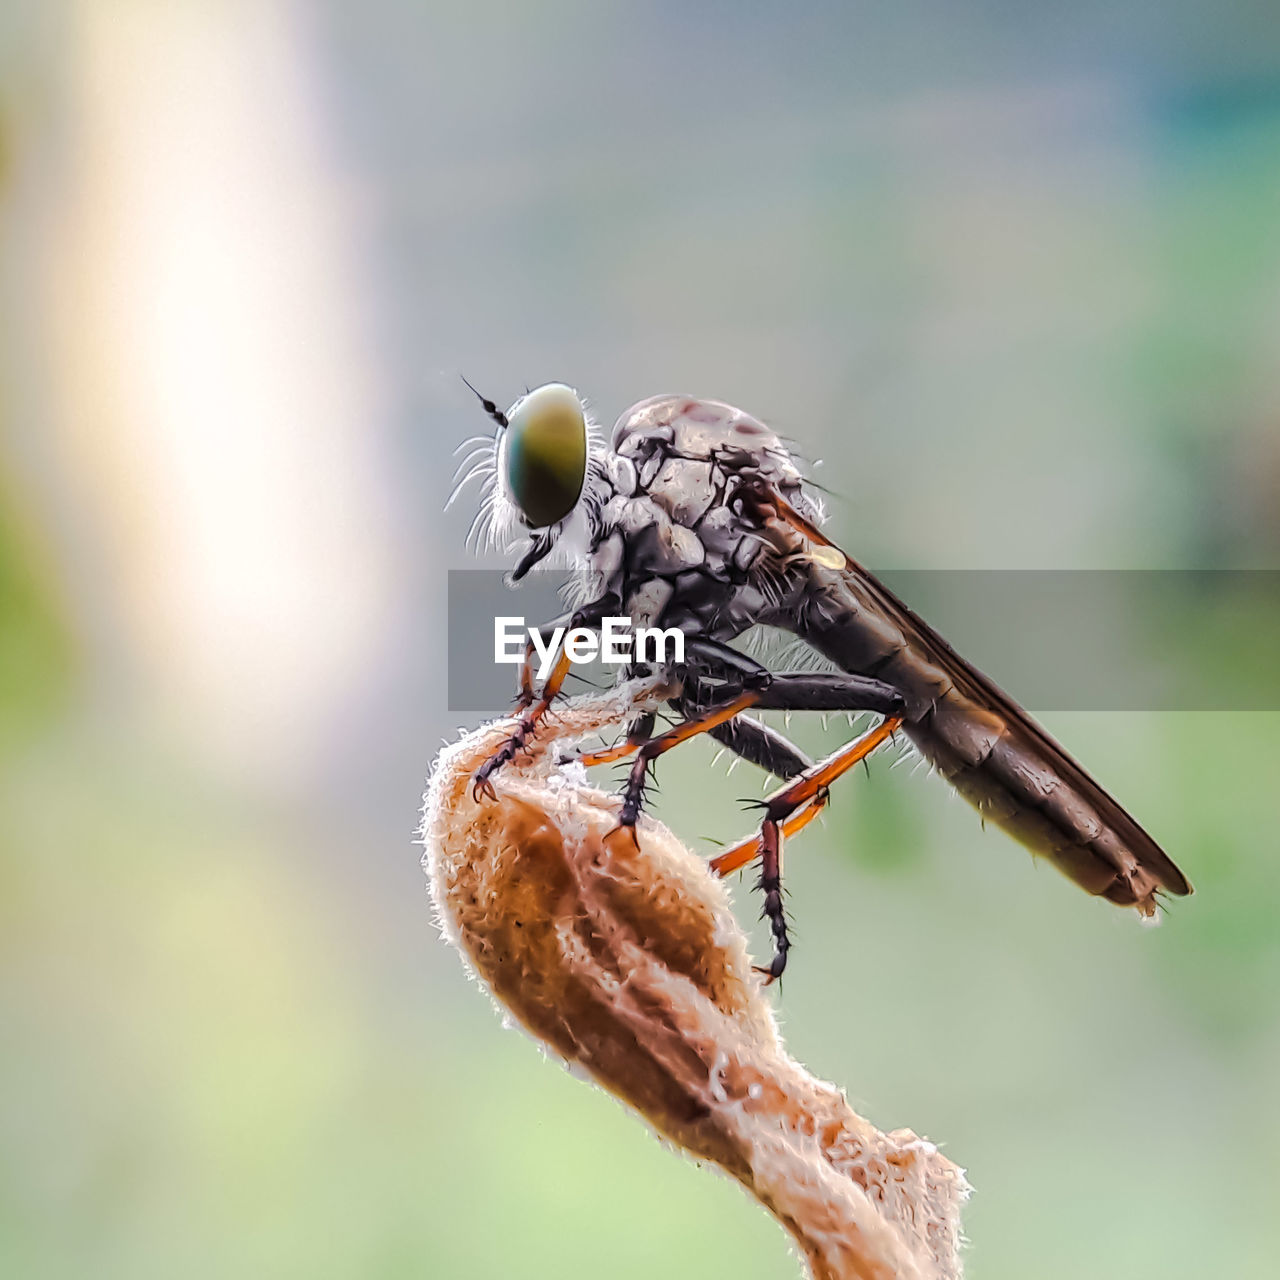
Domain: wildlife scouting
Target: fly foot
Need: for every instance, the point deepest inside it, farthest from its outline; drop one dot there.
(773, 970)
(481, 786)
(624, 832)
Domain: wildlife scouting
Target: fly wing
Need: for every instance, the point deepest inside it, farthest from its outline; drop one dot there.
(978, 737)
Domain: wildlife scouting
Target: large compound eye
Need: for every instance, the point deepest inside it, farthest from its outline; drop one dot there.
(545, 454)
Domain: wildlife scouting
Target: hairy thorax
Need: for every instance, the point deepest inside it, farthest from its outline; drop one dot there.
(675, 542)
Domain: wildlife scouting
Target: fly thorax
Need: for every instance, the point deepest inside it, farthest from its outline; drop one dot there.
(651, 542)
(646, 604)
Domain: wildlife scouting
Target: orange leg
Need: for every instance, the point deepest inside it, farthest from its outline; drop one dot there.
(523, 732)
(771, 884)
(796, 804)
(746, 851)
(645, 752)
(788, 810)
(524, 698)
(607, 755)
(699, 723)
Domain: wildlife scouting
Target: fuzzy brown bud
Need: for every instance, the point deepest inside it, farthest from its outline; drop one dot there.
(626, 960)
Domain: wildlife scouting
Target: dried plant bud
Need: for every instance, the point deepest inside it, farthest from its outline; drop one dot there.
(626, 959)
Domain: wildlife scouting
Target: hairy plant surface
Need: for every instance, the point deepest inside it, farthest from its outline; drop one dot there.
(626, 959)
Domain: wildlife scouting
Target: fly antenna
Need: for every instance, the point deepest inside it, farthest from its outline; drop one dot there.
(487, 405)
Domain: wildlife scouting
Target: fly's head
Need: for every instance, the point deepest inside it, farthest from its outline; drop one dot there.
(541, 476)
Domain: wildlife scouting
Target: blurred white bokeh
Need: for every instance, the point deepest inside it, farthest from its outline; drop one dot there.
(217, 419)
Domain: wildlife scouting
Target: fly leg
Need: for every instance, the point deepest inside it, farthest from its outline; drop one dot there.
(830, 691)
(769, 750)
(812, 796)
(756, 743)
(746, 683)
(786, 811)
(646, 753)
(761, 746)
(797, 803)
(639, 731)
(534, 708)
(736, 673)
(526, 693)
(747, 851)
(524, 731)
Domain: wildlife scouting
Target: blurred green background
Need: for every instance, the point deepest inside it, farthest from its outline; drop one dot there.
(1013, 271)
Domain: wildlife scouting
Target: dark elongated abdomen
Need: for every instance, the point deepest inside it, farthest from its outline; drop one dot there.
(982, 742)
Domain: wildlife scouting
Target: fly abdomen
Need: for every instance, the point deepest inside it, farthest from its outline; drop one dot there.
(983, 743)
(1015, 788)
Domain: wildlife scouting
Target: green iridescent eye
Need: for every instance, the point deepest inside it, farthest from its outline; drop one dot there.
(545, 454)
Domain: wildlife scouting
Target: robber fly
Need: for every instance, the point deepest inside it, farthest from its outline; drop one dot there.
(694, 515)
